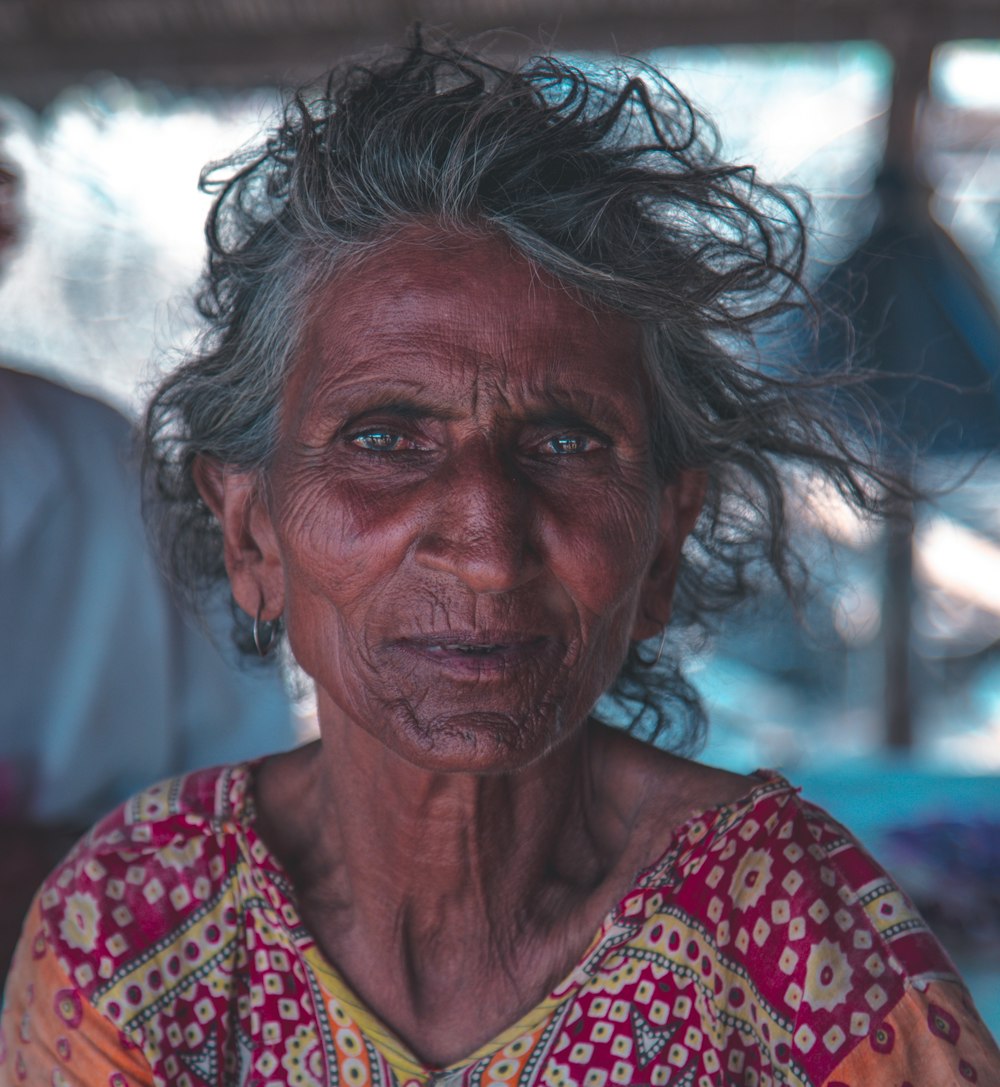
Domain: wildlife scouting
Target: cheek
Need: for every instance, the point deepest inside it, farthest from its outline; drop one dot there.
(602, 549)
(324, 563)
(336, 538)
(343, 548)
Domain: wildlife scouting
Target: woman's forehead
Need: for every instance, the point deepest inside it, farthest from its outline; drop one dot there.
(427, 305)
(427, 265)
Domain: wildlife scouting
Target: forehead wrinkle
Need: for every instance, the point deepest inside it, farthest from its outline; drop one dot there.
(532, 399)
(369, 393)
(488, 360)
(443, 297)
(470, 306)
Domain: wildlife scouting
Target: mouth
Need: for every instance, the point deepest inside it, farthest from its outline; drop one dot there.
(474, 649)
(474, 653)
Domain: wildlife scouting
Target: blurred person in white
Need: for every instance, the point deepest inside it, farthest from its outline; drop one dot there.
(104, 687)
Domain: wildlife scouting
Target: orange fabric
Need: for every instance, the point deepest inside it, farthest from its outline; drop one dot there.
(932, 1038)
(61, 1038)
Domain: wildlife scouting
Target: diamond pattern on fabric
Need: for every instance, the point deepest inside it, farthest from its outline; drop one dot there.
(764, 948)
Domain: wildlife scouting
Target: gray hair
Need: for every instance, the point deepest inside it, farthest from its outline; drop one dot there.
(612, 182)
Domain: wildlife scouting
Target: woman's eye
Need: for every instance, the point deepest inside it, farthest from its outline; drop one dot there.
(564, 444)
(380, 441)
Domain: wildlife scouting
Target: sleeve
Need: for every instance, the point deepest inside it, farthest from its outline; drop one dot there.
(49, 1031)
(934, 1037)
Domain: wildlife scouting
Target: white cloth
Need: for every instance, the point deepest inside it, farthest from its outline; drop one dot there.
(104, 687)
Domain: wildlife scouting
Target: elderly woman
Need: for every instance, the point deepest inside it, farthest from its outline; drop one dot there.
(474, 413)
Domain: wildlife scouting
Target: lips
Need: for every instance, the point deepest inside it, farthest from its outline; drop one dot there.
(466, 647)
(474, 653)
(471, 642)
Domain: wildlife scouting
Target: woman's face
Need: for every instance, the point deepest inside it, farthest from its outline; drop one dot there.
(463, 526)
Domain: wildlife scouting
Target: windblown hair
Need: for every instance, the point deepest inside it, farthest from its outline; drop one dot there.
(612, 182)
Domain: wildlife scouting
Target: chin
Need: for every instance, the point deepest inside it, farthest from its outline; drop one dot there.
(471, 742)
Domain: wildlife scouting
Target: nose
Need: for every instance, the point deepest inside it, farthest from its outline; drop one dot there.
(479, 526)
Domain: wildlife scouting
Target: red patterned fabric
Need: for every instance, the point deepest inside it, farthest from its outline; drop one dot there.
(765, 947)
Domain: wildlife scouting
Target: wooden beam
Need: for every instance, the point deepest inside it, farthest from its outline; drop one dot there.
(46, 45)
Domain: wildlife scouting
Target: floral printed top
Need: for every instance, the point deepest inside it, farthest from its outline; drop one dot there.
(764, 948)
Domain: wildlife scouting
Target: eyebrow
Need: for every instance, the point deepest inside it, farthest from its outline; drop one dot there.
(400, 408)
(576, 407)
(562, 417)
(557, 409)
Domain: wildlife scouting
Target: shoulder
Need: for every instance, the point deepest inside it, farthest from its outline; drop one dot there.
(63, 414)
(653, 792)
(158, 920)
(777, 870)
(794, 922)
(50, 1032)
(141, 874)
(770, 877)
(25, 387)
(66, 458)
(784, 930)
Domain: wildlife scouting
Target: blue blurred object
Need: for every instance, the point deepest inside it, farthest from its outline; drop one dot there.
(922, 320)
(952, 870)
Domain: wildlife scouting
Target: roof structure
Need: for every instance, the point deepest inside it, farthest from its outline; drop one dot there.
(46, 45)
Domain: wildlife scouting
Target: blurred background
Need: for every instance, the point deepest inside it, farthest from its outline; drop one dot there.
(883, 699)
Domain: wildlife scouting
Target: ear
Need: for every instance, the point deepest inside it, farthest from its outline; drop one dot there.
(680, 504)
(250, 544)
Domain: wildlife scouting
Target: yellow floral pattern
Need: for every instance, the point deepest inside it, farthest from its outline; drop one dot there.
(78, 926)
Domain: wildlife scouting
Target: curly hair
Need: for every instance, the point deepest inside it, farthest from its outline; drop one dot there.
(612, 182)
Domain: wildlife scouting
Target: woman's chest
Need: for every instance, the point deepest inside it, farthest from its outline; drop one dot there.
(654, 1009)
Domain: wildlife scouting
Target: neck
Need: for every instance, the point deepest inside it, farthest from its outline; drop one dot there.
(365, 831)
(453, 902)
(450, 836)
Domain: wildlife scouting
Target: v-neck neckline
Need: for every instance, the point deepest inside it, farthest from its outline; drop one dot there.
(698, 830)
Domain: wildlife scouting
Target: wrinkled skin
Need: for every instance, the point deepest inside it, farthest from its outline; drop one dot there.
(462, 525)
(464, 531)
